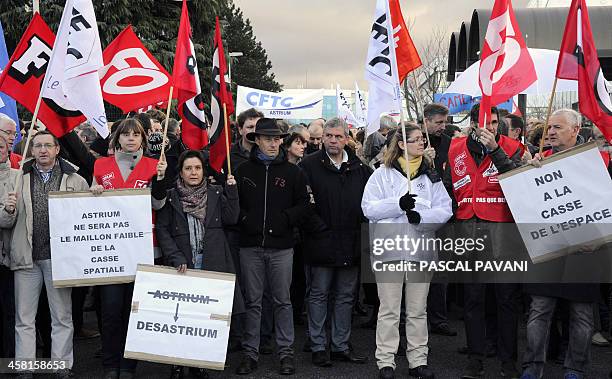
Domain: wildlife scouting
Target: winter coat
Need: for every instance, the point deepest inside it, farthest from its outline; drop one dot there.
(380, 205)
(21, 243)
(333, 234)
(172, 230)
(8, 177)
(273, 199)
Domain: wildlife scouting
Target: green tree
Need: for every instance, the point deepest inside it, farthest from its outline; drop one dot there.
(156, 23)
(253, 69)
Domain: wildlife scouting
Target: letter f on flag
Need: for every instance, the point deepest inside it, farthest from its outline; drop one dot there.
(391, 56)
(506, 68)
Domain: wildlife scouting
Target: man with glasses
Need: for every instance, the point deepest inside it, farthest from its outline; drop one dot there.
(8, 130)
(31, 251)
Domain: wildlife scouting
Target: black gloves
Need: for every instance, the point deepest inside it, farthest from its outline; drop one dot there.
(407, 201)
(413, 217)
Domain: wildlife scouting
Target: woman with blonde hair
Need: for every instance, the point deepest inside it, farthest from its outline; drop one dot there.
(416, 208)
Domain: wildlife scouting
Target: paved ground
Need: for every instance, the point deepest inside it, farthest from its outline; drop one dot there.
(443, 358)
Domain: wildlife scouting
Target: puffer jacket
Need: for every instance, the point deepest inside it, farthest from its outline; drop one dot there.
(380, 204)
(8, 177)
(21, 242)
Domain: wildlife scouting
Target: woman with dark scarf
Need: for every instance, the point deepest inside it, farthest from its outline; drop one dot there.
(190, 226)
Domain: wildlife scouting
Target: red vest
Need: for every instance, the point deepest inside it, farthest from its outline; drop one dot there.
(108, 175)
(604, 155)
(476, 188)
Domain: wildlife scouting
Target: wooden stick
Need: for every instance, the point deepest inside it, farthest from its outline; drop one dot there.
(27, 144)
(162, 156)
(227, 144)
(420, 102)
(550, 102)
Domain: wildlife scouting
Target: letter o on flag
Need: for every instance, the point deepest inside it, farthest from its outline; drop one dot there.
(111, 86)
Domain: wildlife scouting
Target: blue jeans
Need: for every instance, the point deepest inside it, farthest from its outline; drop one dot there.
(538, 329)
(341, 282)
(259, 265)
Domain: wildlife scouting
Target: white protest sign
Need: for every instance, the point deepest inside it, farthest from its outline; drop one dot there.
(289, 104)
(99, 239)
(563, 205)
(189, 312)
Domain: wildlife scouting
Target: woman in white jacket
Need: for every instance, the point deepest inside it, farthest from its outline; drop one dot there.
(392, 210)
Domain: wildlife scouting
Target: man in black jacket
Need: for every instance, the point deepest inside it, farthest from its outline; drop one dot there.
(434, 119)
(273, 199)
(241, 149)
(337, 178)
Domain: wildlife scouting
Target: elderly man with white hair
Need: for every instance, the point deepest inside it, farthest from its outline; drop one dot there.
(8, 130)
(563, 128)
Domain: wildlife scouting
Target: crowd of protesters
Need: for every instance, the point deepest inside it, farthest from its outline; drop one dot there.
(286, 216)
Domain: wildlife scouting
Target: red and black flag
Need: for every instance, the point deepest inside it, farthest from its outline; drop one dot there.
(220, 95)
(187, 83)
(578, 61)
(23, 77)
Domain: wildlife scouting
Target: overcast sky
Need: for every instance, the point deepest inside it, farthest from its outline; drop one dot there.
(314, 43)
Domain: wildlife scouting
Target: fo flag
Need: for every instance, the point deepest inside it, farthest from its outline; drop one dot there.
(219, 96)
(132, 78)
(578, 61)
(187, 83)
(506, 67)
(391, 56)
(23, 77)
(72, 80)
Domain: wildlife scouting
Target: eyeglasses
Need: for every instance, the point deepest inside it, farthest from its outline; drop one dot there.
(47, 146)
(15, 134)
(416, 140)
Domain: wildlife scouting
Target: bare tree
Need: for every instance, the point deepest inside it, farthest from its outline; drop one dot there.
(431, 76)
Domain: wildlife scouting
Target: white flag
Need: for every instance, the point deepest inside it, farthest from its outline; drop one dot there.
(72, 80)
(361, 109)
(344, 110)
(381, 68)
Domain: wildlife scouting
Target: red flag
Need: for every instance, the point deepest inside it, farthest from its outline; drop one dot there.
(132, 78)
(506, 68)
(220, 95)
(578, 61)
(187, 84)
(23, 77)
(406, 53)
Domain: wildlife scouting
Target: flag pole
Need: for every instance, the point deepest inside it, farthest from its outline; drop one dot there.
(27, 144)
(420, 104)
(162, 156)
(550, 102)
(227, 146)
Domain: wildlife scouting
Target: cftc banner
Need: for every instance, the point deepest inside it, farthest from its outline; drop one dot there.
(289, 104)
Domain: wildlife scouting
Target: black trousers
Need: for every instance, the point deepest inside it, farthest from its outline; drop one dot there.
(507, 298)
(437, 314)
(115, 304)
(7, 313)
